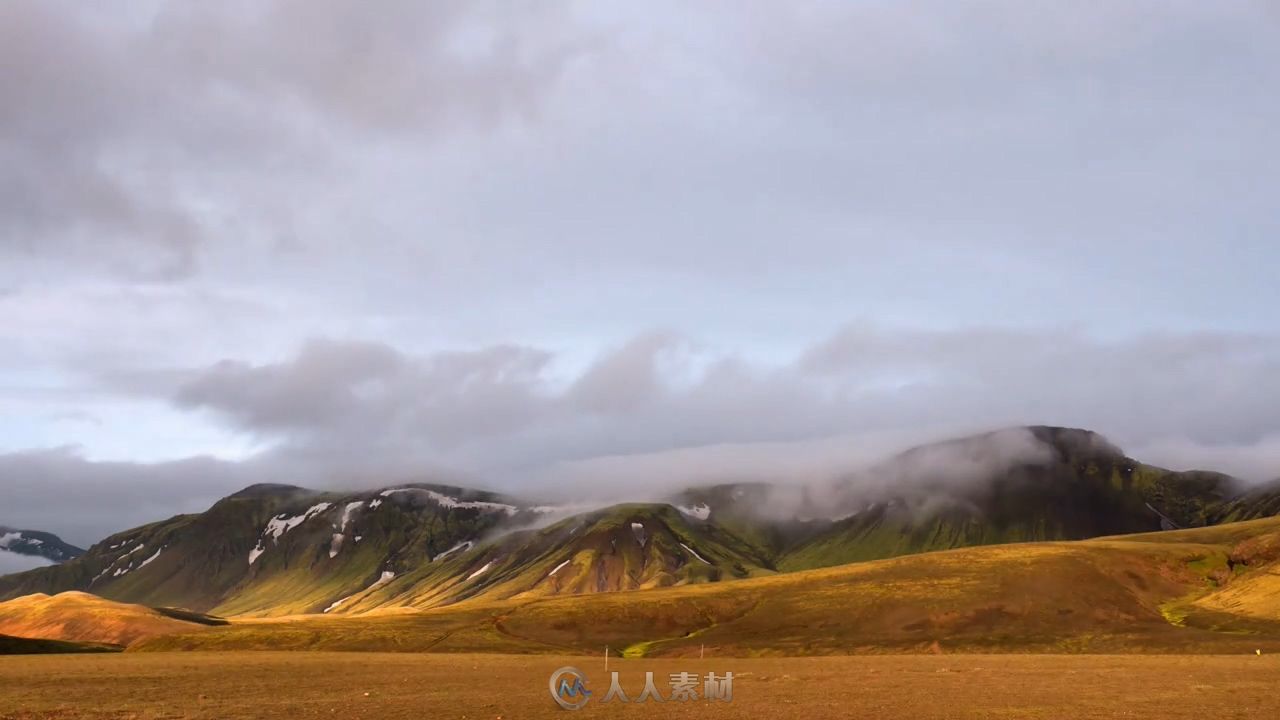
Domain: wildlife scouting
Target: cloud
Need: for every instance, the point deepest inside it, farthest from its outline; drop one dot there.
(1257, 460)
(507, 412)
(59, 491)
(625, 378)
(368, 392)
(134, 140)
(11, 562)
(345, 414)
(346, 247)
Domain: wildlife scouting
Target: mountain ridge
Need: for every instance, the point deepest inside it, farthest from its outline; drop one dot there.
(272, 549)
(37, 543)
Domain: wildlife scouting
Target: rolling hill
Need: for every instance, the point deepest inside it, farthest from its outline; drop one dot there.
(83, 618)
(275, 550)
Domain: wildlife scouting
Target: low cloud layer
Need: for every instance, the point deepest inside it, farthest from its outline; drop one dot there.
(11, 562)
(507, 411)
(662, 412)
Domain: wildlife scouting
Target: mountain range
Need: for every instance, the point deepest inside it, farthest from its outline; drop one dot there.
(26, 549)
(275, 550)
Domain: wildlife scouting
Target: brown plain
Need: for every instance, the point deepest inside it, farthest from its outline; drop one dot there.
(388, 686)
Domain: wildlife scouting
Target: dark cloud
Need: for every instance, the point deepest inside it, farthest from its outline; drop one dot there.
(367, 393)
(82, 501)
(1041, 214)
(127, 138)
(359, 414)
(505, 411)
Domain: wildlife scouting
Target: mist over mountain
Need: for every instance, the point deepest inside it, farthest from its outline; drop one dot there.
(11, 562)
(277, 549)
(25, 549)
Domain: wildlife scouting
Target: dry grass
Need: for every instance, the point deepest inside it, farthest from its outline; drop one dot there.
(327, 685)
(81, 617)
(1113, 595)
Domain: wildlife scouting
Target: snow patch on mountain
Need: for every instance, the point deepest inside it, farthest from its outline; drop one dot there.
(451, 502)
(281, 524)
(346, 514)
(464, 545)
(386, 577)
(335, 544)
(701, 511)
(149, 560)
(481, 571)
(695, 553)
(125, 556)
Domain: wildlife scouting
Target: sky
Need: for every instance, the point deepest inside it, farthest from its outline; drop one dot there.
(594, 246)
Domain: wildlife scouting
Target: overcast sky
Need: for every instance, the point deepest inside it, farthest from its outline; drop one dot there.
(532, 245)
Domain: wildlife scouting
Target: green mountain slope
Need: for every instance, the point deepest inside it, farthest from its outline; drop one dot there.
(1177, 592)
(1082, 487)
(279, 550)
(627, 547)
(273, 550)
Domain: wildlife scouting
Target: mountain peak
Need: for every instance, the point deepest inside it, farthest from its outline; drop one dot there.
(259, 490)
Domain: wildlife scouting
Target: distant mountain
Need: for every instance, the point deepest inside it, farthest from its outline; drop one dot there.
(278, 550)
(34, 544)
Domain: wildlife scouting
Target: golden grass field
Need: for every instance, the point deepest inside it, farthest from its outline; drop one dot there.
(334, 685)
(84, 618)
(1165, 625)
(1162, 593)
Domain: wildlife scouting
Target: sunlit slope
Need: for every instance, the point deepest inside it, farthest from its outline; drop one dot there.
(278, 550)
(1128, 594)
(83, 618)
(1250, 584)
(626, 547)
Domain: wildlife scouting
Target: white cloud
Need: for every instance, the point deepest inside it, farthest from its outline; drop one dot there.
(11, 562)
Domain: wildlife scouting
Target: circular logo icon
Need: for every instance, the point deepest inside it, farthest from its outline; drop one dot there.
(569, 688)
